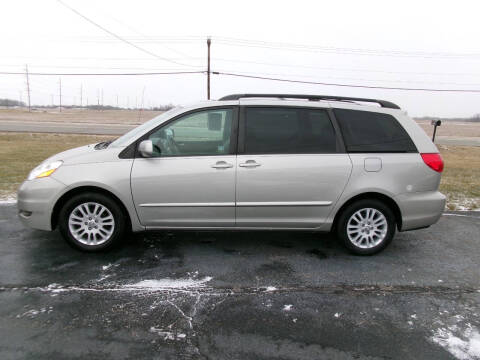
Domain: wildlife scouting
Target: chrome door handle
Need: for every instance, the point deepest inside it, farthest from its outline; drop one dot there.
(222, 165)
(249, 164)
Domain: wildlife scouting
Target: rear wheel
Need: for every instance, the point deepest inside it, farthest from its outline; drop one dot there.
(92, 222)
(366, 227)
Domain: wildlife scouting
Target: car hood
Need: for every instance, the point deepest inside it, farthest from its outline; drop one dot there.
(86, 154)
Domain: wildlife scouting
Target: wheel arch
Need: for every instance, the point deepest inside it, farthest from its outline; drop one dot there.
(82, 189)
(372, 195)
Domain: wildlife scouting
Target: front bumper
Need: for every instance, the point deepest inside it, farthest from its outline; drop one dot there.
(420, 209)
(35, 202)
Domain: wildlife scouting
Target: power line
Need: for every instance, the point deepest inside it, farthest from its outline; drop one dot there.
(250, 77)
(351, 78)
(287, 45)
(119, 37)
(103, 74)
(297, 66)
(341, 50)
(345, 85)
(141, 34)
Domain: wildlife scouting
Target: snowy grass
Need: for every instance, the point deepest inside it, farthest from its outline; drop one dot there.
(462, 345)
(461, 177)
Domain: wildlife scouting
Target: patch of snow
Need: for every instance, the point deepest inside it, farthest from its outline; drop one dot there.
(440, 280)
(287, 307)
(270, 288)
(8, 199)
(464, 346)
(106, 267)
(103, 277)
(410, 322)
(32, 313)
(461, 203)
(167, 335)
(414, 316)
(169, 284)
(337, 315)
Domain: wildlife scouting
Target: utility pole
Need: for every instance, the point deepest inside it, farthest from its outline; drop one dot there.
(209, 41)
(102, 98)
(28, 88)
(81, 95)
(98, 99)
(141, 108)
(60, 87)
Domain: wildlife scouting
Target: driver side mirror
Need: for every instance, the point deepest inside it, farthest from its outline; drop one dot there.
(146, 148)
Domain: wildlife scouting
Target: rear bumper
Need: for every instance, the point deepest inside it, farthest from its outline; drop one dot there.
(35, 201)
(420, 209)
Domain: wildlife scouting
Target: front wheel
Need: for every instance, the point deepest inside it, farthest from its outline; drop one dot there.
(91, 222)
(366, 226)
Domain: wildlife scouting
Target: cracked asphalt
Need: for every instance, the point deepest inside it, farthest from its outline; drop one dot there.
(244, 295)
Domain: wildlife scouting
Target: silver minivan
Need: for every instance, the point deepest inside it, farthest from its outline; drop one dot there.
(359, 167)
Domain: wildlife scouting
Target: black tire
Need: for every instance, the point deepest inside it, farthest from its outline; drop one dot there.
(119, 224)
(350, 210)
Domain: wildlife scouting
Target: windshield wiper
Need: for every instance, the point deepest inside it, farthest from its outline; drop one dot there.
(102, 145)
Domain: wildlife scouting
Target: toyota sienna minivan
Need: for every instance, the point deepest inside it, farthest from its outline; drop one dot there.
(359, 167)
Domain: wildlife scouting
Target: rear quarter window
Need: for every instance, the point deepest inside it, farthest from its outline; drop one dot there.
(366, 131)
(272, 130)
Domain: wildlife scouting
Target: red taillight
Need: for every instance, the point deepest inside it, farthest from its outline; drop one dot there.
(434, 161)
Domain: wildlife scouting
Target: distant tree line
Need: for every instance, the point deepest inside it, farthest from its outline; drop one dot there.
(10, 102)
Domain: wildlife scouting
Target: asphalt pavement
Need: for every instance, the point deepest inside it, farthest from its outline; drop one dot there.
(241, 295)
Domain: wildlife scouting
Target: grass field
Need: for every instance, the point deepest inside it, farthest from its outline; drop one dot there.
(19, 153)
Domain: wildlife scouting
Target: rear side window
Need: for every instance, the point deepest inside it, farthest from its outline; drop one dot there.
(288, 131)
(366, 131)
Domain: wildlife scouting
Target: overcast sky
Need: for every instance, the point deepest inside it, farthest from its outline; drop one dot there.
(413, 44)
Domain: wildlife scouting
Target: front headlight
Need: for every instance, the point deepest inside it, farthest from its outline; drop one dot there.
(44, 170)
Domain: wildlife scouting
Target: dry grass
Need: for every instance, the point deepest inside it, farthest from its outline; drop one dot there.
(461, 177)
(20, 152)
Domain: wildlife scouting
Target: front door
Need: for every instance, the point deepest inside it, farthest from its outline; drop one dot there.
(290, 169)
(190, 180)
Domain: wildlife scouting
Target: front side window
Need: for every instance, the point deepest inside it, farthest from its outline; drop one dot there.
(368, 131)
(273, 130)
(205, 132)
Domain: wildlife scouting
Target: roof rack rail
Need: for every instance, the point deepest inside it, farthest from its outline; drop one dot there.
(382, 103)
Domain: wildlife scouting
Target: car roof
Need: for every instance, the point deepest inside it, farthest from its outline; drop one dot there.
(361, 104)
(311, 97)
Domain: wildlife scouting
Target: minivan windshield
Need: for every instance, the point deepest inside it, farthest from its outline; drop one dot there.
(127, 138)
